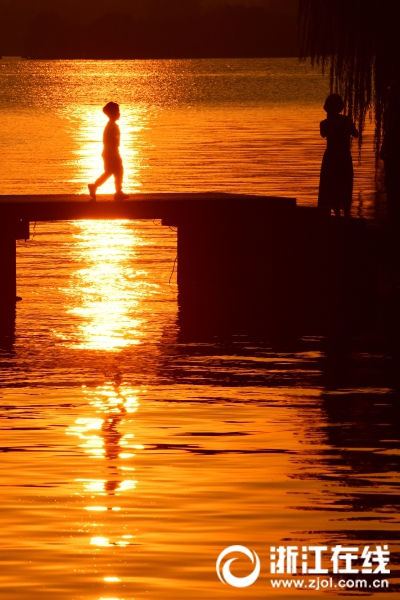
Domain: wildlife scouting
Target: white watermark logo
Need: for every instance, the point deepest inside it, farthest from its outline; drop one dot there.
(225, 574)
(330, 562)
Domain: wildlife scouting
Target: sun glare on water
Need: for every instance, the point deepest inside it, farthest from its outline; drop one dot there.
(105, 433)
(106, 290)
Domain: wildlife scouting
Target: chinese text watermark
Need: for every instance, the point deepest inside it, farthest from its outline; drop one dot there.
(327, 563)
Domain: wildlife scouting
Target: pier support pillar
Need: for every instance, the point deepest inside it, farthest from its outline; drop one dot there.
(8, 269)
(10, 231)
(234, 271)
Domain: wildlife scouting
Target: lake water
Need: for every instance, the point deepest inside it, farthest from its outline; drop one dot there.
(131, 456)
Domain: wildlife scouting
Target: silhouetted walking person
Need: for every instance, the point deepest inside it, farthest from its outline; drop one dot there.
(111, 156)
(336, 182)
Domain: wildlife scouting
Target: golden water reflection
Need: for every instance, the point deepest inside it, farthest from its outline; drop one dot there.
(107, 292)
(109, 298)
(107, 434)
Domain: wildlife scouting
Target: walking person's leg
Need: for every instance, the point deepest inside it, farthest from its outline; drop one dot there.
(93, 186)
(118, 178)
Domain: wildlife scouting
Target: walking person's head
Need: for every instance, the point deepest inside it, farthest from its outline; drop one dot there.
(111, 109)
(334, 104)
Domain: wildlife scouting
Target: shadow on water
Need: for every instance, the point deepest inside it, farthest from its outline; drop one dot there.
(354, 363)
(360, 409)
(358, 465)
(332, 297)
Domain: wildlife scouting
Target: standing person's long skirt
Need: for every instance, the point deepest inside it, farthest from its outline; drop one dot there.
(336, 181)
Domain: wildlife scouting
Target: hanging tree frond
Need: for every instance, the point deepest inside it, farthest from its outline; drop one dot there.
(359, 42)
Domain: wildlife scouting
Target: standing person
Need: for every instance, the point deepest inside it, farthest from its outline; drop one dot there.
(111, 156)
(336, 182)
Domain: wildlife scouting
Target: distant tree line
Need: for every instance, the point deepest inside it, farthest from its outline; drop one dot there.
(172, 30)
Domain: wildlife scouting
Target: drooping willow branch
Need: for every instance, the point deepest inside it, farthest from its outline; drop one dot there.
(359, 42)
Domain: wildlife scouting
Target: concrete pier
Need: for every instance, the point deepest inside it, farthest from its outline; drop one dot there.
(208, 226)
(239, 256)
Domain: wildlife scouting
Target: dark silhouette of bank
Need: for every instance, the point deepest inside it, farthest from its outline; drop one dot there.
(111, 156)
(336, 182)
